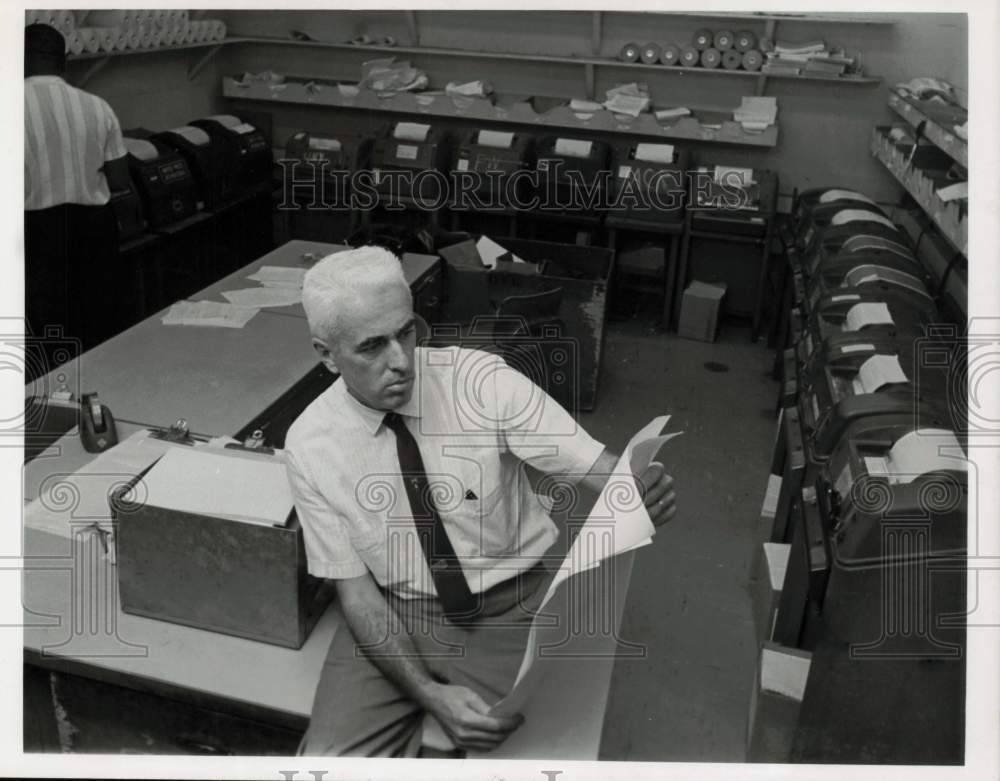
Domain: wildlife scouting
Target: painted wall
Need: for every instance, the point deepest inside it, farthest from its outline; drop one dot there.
(824, 128)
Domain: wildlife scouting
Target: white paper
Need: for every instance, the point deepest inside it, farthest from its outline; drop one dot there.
(655, 153)
(880, 370)
(673, 113)
(279, 276)
(243, 128)
(867, 313)
(410, 131)
(759, 111)
(833, 195)
(261, 297)
(584, 105)
(489, 251)
(916, 454)
(857, 348)
(859, 215)
(496, 138)
(627, 104)
(196, 480)
(725, 174)
(784, 674)
(324, 144)
(870, 272)
(954, 192)
(208, 313)
(572, 147)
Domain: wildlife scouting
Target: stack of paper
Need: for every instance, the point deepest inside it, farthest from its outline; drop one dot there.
(279, 276)
(629, 99)
(205, 481)
(208, 313)
(757, 114)
(261, 297)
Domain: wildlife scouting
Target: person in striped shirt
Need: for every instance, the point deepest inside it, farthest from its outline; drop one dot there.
(74, 157)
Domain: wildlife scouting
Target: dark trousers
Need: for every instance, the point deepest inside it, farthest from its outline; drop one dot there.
(74, 286)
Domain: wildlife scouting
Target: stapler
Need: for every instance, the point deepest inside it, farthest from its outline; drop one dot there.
(97, 425)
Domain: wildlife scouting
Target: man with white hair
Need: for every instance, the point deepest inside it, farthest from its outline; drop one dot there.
(409, 482)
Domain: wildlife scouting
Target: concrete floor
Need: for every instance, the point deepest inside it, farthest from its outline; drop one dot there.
(688, 602)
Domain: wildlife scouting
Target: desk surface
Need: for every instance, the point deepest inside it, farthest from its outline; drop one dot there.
(218, 379)
(295, 254)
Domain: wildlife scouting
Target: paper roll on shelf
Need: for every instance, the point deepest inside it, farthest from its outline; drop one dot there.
(732, 60)
(710, 58)
(690, 56)
(745, 41)
(109, 18)
(651, 53)
(753, 60)
(74, 43)
(723, 40)
(630, 52)
(703, 39)
(671, 54)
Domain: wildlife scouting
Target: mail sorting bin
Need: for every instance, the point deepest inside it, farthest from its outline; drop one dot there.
(583, 273)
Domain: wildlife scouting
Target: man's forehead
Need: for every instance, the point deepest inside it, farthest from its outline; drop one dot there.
(376, 311)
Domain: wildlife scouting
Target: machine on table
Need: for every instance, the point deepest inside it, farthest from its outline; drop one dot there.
(162, 177)
(489, 160)
(409, 165)
(572, 186)
(649, 195)
(316, 196)
(243, 148)
(730, 206)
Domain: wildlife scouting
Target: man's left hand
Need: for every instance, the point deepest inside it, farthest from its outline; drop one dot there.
(657, 489)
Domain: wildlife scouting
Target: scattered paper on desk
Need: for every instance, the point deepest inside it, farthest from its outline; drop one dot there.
(867, 313)
(262, 297)
(917, 453)
(655, 153)
(279, 276)
(208, 313)
(573, 147)
(630, 105)
(954, 192)
(489, 251)
(877, 371)
(410, 131)
(199, 481)
(859, 215)
(348, 90)
(727, 174)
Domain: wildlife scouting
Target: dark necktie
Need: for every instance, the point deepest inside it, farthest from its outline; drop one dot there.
(446, 570)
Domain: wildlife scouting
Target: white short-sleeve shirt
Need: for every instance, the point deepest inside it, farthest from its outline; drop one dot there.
(477, 422)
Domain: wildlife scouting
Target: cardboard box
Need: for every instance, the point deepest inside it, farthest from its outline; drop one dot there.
(700, 307)
(766, 583)
(776, 701)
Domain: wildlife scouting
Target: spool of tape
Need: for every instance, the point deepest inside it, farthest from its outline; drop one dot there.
(671, 54)
(651, 53)
(745, 41)
(690, 56)
(752, 60)
(703, 39)
(711, 58)
(732, 60)
(724, 40)
(629, 52)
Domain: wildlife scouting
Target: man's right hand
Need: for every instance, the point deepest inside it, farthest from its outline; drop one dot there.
(465, 717)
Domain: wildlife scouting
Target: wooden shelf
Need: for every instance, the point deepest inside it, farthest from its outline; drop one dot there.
(557, 60)
(940, 134)
(780, 17)
(946, 216)
(561, 117)
(150, 50)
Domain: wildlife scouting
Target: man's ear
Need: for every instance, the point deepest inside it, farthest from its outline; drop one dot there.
(325, 354)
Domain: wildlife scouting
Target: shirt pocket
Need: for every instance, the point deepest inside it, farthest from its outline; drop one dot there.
(482, 519)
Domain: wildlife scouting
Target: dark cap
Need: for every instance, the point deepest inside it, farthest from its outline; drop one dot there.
(44, 39)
